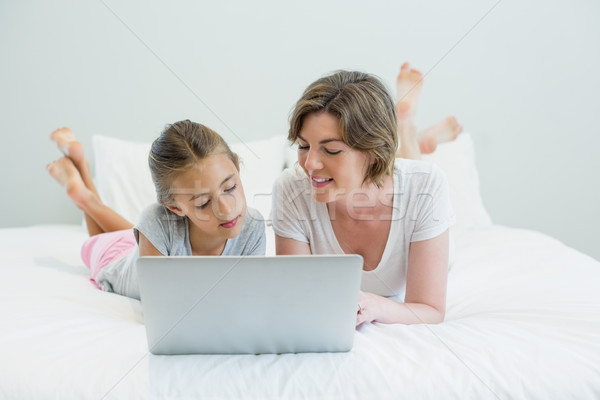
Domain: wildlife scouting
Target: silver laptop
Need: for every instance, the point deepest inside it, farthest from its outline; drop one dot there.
(249, 305)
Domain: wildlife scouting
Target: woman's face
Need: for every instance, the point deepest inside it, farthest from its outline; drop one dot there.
(335, 169)
(210, 194)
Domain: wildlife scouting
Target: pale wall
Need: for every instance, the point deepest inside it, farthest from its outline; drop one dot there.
(522, 78)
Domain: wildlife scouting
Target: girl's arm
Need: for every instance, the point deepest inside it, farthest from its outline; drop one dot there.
(286, 246)
(147, 248)
(426, 281)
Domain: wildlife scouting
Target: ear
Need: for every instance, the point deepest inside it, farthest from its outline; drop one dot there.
(175, 209)
(369, 161)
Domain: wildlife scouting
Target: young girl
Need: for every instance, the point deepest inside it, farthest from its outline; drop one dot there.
(349, 194)
(201, 207)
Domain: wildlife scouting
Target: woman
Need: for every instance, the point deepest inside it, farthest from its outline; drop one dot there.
(349, 194)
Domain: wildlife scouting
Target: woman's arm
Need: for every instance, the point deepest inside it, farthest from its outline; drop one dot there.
(146, 247)
(285, 246)
(426, 281)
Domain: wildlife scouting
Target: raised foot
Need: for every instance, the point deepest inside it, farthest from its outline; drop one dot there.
(444, 131)
(65, 140)
(66, 174)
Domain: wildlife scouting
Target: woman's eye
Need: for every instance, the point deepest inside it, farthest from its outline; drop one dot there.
(302, 147)
(203, 206)
(231, 189)
(333, 153)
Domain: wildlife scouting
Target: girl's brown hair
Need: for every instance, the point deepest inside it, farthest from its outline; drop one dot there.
(178, 148)
(365, 110)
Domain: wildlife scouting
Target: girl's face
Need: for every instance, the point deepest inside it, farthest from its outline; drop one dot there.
(335, 169)
(210, 194)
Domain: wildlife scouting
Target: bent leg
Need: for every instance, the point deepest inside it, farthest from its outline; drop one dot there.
(101, 217)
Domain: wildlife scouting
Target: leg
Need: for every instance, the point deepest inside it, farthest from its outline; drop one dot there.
(99, 217)
(444, 131)
(408, 86)
(65, 140)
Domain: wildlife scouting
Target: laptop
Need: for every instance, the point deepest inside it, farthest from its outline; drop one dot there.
(249, 305)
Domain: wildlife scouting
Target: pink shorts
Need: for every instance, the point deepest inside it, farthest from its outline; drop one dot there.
(100, 250)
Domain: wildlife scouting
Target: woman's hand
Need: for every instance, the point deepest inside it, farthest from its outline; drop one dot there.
(370, 307)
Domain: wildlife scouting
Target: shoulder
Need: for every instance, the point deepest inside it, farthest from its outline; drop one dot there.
(406, 166)
(418, 173)
(163, 229)
(292, 187)
(291, 177)
(158, 215)
(254, 221)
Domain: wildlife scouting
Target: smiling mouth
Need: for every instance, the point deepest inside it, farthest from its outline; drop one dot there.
(320, 182)
(230, 224)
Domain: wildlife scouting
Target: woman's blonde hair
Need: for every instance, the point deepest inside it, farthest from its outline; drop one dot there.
(366, 114)
(178, 148)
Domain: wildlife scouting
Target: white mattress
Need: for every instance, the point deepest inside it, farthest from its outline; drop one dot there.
(523, 322)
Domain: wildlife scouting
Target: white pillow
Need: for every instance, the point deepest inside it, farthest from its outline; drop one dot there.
(122, 175)
(457, 160)
(124, 182)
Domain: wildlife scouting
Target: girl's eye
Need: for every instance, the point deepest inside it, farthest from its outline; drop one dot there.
(302, 147)
(231, 189)
(333, 153)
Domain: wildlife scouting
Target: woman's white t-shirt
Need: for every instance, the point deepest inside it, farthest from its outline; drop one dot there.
(421, 211)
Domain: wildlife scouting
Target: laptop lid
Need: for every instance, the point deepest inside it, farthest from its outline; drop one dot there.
(249, 305)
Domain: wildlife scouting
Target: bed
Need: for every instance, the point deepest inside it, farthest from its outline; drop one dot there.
(522, 321)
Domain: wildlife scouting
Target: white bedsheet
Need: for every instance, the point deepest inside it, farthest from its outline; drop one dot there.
(523, 322)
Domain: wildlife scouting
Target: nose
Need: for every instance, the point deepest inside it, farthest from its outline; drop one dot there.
(312, 161)
(225, 206)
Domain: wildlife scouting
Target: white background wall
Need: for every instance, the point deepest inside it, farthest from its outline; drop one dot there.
(522, 77)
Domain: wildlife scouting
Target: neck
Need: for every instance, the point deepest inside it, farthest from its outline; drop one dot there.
(203, 244)
(370, 203)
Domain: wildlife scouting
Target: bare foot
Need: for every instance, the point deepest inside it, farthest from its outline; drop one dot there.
(65, 140)
(444, 131)
(408, 87)
(65, 173)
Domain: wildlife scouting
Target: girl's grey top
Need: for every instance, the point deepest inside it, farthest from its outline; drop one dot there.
(169, 233)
